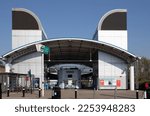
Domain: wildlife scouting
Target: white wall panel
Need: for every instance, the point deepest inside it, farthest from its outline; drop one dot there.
(117, 38)
(22, 37)
(31, 61)
(113, 68)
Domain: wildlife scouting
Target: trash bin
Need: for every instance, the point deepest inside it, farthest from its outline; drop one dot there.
(56, 93)
(148, 93)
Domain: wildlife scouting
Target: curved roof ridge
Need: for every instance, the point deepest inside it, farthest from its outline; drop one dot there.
(61, 39)
(107, 14)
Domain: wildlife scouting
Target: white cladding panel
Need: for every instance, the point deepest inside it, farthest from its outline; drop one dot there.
(118, 38)
(22, 37)
(8, 67)
(111, 68)
(132, 78)
(32, 61)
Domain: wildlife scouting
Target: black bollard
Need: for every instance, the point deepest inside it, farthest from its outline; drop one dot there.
(0, 91)
(8, 92)
(115, 92)
(39, 92)
(137, 94)
(23, 92)
(75, 93)
(31, 91)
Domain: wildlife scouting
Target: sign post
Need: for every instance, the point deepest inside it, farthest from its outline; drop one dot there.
(44, 50)
(30, 76)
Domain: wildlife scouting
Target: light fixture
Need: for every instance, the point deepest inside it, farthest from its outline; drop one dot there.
(90, 56)
(49, 57)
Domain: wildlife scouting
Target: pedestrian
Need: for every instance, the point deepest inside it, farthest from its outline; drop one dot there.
(146, 85)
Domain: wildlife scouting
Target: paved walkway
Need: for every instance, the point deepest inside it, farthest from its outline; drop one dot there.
(81, 94)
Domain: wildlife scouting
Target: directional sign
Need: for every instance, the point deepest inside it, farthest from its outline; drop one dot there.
(45, 49)
(42, 48)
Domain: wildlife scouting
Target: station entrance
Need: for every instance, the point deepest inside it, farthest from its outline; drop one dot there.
(74, 63)
(71, 64)
(70, 76)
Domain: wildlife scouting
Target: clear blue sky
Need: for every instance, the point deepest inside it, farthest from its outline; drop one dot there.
(79, 18)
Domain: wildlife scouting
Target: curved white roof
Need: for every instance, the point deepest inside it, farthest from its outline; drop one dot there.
(63, 45)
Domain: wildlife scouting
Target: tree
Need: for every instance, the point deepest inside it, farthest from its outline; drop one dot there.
(143, 71)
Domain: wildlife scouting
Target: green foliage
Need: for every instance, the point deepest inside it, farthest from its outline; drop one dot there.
(143, 73)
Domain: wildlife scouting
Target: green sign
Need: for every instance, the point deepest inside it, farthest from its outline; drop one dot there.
(45, 49)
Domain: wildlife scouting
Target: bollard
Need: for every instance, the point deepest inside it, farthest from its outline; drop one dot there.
(115, 92)
(137, 94)
(0, 91)
(23, 92)
(8, 92)
(39, 92)
(31, 91)
(52, 92)
(75, 93)
(145, 94)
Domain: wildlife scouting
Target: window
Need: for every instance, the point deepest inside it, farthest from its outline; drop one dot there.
(70, 76)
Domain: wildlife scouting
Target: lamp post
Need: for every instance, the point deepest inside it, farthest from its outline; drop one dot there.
(30, 76)
(137, 72)
(137, 84)
(137, 75)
